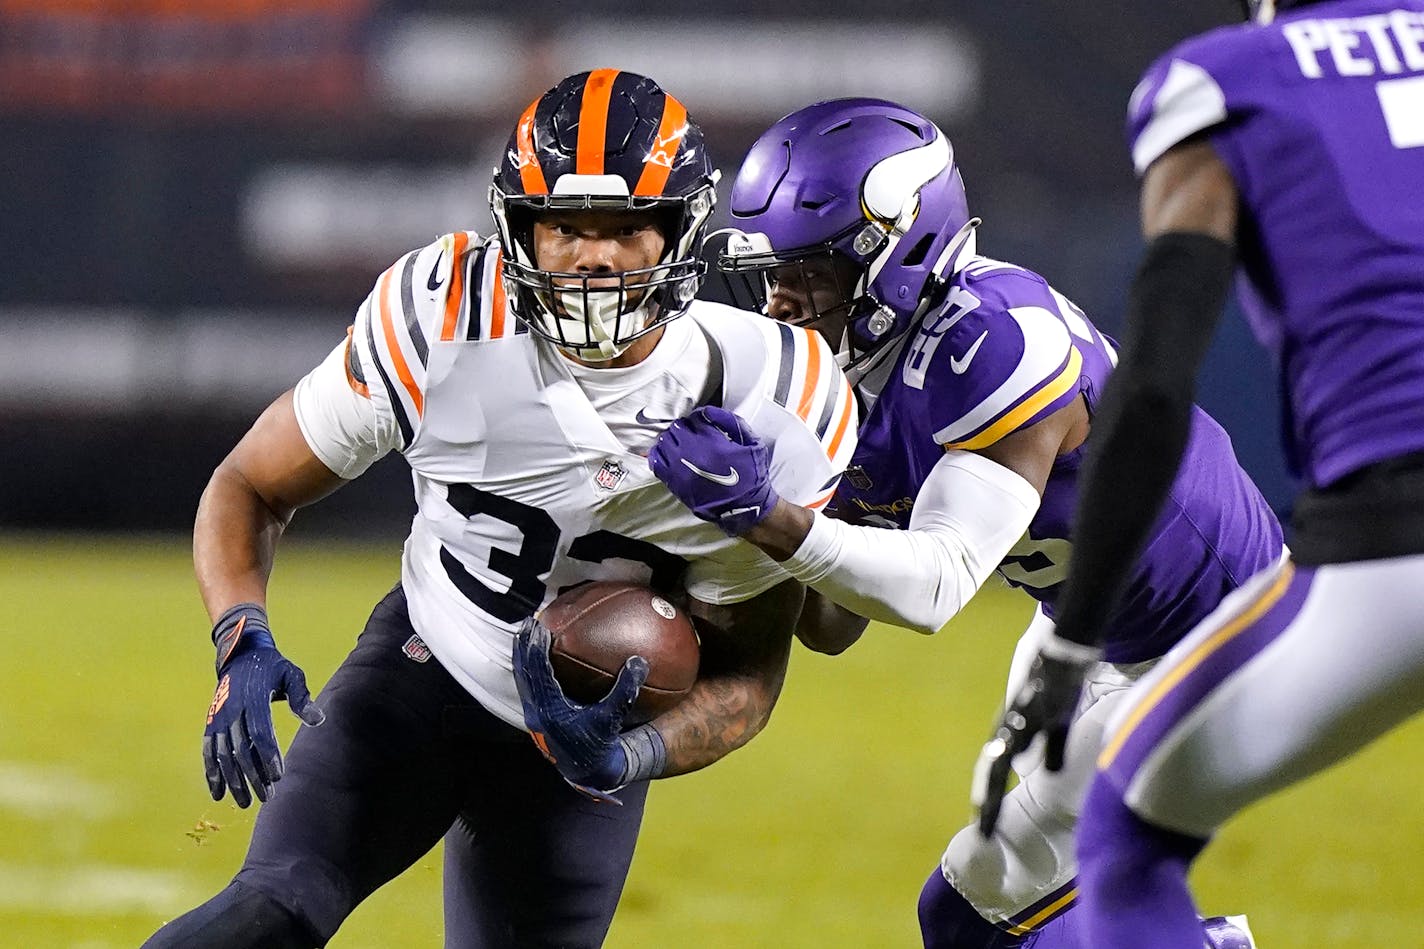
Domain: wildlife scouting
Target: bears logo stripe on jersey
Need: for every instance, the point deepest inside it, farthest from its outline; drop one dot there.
(475, 327)
(412, 322)
(455, 293)
(393, 344)
(489, 304)
(813, 376)
(1065, 383)
(788, 362)
(531, 173)
(355, 378)
(658, 165)
(396, 407)
(827, 412)
(593, 121)
(498, 309)
(847, 412)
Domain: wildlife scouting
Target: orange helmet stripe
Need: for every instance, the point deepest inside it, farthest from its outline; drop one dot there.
(531, 173)
(658, 165)
(593, 121)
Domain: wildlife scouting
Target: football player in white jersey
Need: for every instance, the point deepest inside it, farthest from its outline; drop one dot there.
(524, 378)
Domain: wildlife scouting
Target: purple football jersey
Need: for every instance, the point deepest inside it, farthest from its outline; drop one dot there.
(1004, 351)
(1320, 118)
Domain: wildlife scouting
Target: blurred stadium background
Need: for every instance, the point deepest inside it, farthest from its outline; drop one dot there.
(195, 194)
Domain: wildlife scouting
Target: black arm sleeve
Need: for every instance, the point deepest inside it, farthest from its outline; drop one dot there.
(1141, 428)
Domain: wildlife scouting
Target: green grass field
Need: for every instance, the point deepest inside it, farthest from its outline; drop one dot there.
(817, 835)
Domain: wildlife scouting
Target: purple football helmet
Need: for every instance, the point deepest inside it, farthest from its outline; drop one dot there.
(862, 180)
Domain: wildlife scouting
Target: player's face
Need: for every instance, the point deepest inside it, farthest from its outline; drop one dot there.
(816, 288)
(597, 243)
(593, 249)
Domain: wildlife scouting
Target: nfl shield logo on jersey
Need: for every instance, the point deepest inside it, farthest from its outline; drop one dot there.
(610, 476)
(416, 649)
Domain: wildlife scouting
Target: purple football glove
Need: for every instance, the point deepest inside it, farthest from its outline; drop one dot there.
(712, 462)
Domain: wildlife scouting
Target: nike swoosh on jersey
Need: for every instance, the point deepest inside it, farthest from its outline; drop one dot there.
(728, 479)
(645, 419)
(432, 283)
(958, 366)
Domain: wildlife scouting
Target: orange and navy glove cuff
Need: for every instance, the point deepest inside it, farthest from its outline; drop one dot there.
(240, 628)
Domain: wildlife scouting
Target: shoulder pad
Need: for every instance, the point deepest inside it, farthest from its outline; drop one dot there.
(992, 362)
(1195, 87)
(420, 299)
(771, 367)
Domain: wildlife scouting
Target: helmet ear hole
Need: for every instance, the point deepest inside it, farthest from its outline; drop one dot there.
(916, 255)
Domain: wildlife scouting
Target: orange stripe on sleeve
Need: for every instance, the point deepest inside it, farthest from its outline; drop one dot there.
(497, 303)
(847, 410)
(360, 388)
(822, 501)
(531, 173)
(389, 330)
(658, 165)
(813, 376)
(593, 121)
(457, 286)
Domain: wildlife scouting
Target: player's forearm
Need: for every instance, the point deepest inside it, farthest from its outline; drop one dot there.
(719, 715)
(782, 531)
(745, 648)
(967, 516)
(235, 538)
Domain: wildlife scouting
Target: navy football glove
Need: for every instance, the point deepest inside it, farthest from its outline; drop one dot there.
(717, 466)
(582, 741)
(1047, 703)
(239, 743)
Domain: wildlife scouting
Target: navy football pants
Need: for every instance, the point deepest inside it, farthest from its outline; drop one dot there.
(405, 757)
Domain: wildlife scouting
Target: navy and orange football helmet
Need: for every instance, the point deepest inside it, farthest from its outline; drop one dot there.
(603, 140)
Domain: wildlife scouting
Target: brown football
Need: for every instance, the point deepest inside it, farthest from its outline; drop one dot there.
(597, 626)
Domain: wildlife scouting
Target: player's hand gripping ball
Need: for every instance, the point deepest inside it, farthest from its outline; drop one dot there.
(604, 638)
(596, 627)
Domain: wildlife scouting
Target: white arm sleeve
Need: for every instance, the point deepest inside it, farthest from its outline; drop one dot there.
(968, 514)
(343, 428)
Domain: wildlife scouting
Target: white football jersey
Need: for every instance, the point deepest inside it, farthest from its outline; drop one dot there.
(531, 471)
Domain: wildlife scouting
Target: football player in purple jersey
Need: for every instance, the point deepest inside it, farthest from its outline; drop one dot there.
(979, 383)
(1288, 151)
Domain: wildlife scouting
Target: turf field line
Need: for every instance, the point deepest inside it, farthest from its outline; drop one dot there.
(93, 890)
(40, 791)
